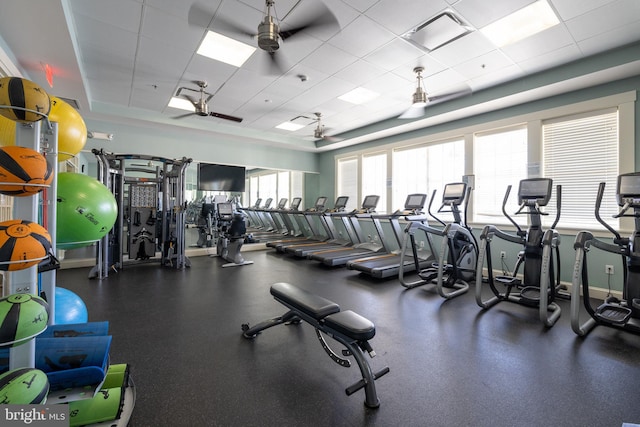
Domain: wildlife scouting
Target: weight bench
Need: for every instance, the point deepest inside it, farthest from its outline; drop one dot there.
(346, 327)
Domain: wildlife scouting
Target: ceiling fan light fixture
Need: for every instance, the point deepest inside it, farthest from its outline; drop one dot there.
(224, 49)
(420, 98)
(268, 37)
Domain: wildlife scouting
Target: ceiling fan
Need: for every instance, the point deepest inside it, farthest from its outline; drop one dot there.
(421, 99)
(270, 32)
(318, 132)
(201, 104)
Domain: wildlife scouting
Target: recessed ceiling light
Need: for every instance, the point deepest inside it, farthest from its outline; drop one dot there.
(521, 24)
(224, 49)
(290, 126)
(359, 95)
(181, 103)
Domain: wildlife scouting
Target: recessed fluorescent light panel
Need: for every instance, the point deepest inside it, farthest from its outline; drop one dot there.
(181, 103)
(290, 126)
(521, 24)
(438, 31)
(224, 49)
(359, 96)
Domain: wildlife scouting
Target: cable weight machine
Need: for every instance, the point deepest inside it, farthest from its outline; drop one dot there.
(151, 211)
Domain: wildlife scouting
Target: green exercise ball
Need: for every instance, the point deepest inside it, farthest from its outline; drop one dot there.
(86, 210)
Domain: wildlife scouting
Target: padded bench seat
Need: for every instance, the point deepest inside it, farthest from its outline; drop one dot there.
(299, 299)
(351, 324)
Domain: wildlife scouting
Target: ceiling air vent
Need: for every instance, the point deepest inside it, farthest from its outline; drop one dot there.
(438, 31)
(72, 102)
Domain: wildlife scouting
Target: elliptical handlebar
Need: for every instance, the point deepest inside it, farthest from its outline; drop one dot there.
(504, 209)
(597, 211)
(558, 205)
(433, 197)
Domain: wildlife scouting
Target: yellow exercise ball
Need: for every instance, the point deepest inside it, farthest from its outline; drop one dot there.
(72, 131)
(7, 132)
(23, 94)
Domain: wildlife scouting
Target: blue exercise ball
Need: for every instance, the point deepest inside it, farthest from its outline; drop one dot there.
(69, 308)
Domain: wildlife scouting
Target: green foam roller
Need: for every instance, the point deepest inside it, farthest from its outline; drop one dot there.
(105, 406)
(117, 376)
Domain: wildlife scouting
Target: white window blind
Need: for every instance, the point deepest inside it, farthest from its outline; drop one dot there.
(283, 187)
(409, 174)
(579, 153)
(374, 178)
(297, 187)
(499, 160)
(426, 168)
(347, 181)
(268, 187)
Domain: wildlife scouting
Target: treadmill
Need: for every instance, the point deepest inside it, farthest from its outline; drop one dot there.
(303, 250)
(387, 265)
(340, 256)
(311, 233)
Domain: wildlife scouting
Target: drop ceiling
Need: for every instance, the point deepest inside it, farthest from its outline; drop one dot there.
(123, 60)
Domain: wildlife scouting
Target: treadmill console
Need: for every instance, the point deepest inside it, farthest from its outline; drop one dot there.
(534, 191)
(295, 203)
(282, 203)
(368, 205)
(413, 205)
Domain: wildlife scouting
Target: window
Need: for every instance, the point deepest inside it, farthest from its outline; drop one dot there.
(374, 178)
(499, 160)
(427, 168)
(283, 188)
(347, 181)
(579, 153)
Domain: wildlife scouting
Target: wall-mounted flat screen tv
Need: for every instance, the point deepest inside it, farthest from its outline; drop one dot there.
(212, 177)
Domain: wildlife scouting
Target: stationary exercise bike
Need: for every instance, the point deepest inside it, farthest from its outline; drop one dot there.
(230, 234)
(617, 313)
(456, 260)
(539, 284)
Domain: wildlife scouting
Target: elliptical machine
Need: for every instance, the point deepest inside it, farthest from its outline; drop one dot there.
(456, 261)
(613, 312)
(540, 280)
(231, 230)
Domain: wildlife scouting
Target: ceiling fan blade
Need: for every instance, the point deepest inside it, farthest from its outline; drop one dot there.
(184, 115)
(412, 113)
(275, 64)
(199, 15)
(323, 18)
(225, 117)
(449, 96)
(329, 138)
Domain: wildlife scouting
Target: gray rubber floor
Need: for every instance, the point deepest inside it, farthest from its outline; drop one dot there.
(451, 364)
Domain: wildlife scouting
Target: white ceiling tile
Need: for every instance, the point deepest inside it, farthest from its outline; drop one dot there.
(568, 9)
(619, 36)
(397, 52)
(498, 76)
(170, 30)
(486, 64)
(360, 72)
(361, 37)
(400, 17)
(604, 19)
(123, 14)
(552, 59)
(549, 40)
(328, 59)
(461, 50)
(361, 5)
(155, 55)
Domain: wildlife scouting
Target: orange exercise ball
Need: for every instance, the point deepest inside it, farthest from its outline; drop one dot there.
(72, 131)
